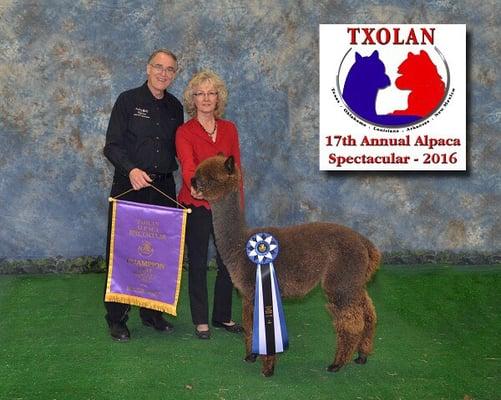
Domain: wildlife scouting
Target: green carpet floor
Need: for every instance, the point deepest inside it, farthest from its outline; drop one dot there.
(438, 337)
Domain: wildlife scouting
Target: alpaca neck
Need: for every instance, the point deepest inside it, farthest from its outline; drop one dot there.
(363, 103)
(229, 227)
(366, 107)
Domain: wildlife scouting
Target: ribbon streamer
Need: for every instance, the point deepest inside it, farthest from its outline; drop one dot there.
(269, 333)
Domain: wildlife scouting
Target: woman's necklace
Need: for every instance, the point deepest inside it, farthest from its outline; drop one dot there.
(206, 131)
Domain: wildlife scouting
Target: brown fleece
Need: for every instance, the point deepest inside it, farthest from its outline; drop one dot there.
(339, 259)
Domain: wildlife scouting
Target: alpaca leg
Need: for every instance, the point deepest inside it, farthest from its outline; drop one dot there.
(268, 365)
(349, 324)
(247, 317)
(367, 339)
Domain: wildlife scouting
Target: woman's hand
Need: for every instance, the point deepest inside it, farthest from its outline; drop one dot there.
(195, 194)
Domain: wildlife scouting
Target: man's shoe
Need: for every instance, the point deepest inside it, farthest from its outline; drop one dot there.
(159, 324)
(235, 328)
(119, 332)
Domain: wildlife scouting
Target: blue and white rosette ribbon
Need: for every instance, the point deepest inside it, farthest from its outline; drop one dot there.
(269, 333)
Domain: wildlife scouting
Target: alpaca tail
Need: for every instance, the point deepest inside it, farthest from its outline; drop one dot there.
(374, 259)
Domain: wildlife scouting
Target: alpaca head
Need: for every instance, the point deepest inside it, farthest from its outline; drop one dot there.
(215, 177)
(418, 70)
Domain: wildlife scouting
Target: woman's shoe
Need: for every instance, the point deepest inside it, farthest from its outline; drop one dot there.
(204, 335)
(235, 328)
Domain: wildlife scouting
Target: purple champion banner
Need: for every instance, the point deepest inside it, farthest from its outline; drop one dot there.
(146, 255)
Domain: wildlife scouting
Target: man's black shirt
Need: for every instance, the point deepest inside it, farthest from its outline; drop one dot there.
(141, 132)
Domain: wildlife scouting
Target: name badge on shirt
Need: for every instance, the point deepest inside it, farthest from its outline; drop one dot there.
(141, 112)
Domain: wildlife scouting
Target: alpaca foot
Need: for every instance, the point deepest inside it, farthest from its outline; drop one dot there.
(268, 366)
(250, 358)
(361, 359)
(334, 367)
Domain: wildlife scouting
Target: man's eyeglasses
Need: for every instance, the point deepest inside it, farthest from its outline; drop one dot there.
(202, 94)
(160, 69)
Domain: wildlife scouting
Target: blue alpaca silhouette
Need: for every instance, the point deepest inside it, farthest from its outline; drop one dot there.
(363, 82)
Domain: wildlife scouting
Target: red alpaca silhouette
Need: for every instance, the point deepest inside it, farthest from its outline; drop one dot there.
(420, 75)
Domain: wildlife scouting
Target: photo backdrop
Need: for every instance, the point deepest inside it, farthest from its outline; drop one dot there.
(63, 63)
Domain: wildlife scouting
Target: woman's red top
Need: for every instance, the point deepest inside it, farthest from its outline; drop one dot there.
(193, 145)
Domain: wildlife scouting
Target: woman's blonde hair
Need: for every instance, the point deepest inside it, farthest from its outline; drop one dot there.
(219, 86)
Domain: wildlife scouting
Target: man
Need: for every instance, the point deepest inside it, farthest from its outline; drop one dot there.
(140, 143)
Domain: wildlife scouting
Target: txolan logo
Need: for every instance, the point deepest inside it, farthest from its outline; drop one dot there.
(418, 82)
(397, 79)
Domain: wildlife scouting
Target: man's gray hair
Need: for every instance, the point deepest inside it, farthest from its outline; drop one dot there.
(165, 51)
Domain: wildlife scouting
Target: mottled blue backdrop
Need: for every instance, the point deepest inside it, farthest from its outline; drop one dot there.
(63, 63)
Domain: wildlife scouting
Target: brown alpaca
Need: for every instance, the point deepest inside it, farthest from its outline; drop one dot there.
(337, 257)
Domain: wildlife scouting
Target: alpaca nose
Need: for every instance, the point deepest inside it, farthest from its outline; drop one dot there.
(194, 183)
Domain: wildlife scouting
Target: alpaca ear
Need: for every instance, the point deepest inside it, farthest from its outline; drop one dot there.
(424, 55)
(229, 164)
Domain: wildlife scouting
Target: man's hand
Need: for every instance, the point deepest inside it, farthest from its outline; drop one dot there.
(139, 179)
(195, 194)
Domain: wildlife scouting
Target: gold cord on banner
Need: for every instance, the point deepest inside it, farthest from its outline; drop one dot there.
(188, 210)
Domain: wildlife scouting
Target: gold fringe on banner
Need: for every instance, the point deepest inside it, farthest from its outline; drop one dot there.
(142, 302)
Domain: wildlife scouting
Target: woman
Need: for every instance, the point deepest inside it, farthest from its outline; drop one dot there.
(203, 136)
